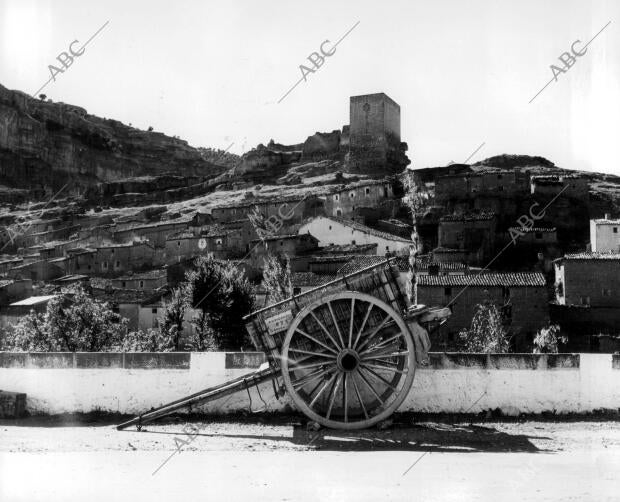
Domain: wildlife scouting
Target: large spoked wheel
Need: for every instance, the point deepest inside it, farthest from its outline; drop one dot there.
(348, 361)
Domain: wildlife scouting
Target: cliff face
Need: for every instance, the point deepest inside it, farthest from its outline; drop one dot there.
(44, 145)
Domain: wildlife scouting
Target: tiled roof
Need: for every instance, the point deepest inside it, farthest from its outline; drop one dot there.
(359, 263)
(351, 249)
(259, 201)
(525, 230)
(448, 250)
(590, 255)
(283, 237)
(603, 221)
(367, 230)
(512, 279)
(482, 216)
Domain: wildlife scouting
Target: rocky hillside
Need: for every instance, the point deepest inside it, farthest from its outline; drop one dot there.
(44, 145)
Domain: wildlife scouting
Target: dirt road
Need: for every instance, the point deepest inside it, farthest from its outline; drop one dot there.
(281, 460)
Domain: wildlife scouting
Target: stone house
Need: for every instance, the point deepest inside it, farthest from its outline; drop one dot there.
(333, 230)
(521, 297)
(473, 234)
(156, 233)
(223, 243)
(146, 281)
(12, 313)
(118, 259)
(605, 235)
(289, 245)
(286, 210)
(574, 186)
(348, 201)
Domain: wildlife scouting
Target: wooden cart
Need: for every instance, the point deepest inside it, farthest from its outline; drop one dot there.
(345, 351)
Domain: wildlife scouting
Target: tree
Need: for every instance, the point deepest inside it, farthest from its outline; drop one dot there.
(174, 312)
(151, 340)
(225, 295)
(73, 323)
(486, 333)
(202, 337)
(414, 202)
(277, 277)
(547, 340)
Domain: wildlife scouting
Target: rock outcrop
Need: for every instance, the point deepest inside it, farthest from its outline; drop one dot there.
(44, 145)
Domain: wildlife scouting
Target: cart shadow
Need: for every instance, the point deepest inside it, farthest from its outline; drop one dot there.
(435, 437)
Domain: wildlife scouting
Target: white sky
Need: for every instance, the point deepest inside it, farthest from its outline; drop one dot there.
(212, 72)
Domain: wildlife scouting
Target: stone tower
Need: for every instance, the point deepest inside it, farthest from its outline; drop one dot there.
(374, 134)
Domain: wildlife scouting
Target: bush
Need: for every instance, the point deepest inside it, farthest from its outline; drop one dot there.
(77, 323)
(277, 278)
(547, 340)
(151, 340)
(486, 333)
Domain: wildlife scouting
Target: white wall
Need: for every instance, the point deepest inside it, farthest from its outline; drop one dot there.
(329, 231)
(602, 237)
(454, 384)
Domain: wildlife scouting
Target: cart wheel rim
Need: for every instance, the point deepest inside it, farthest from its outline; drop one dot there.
(348, 360)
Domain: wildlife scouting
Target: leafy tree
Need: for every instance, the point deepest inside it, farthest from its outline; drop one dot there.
(77, 323)
(174, 312)
(547, 340)
(202, 337)
(225, 295)
(277, 277)
(486, 333)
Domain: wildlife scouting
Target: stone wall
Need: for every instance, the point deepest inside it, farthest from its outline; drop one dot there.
(452, 383)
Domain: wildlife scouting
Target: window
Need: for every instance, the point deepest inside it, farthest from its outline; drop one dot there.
(351, 194)
(447, 291)
(179, 243)
(585, 300)
(281, 243)
(104, 264)
(338, 212)
(606, 292)
(367, 191)
(387, 248)
(124, 284)
(112, 251)
(117, 264)
(337, 197)
(500, 188)
(218, 242)
(538, 235)
(153, 311)
(296, 291)
(330, 227)
(141, 284)
(615, 230)
(353, 241)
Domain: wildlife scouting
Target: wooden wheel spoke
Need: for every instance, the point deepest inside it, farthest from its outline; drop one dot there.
(331, 312)
(361, 330)
(325, 330)
(359, 397)
(309, 366)
(393, 369)
(313, 354)
(307, 378)
(351, 321)
(333, 394)
(374, 333)
(345, 403)
(381, 344)
(325, 385)
(379, 377)
(303, 333)
(372, 389)
(393, 354)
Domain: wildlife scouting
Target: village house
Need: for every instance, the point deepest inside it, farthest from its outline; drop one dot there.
(39, 270)
(350, 200)
(286, 210)
(146, 281)
(472, 234)
(216, 239)
(289, 245)
(604, 234)
(155, 233)
(11, 314)
(574, 186)
(521, 298)
(14, 290)
(587, 294)
(332, 230)
(495, 182)
(117, 259)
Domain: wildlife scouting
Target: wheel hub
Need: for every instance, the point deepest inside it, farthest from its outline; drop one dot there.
(348, 360)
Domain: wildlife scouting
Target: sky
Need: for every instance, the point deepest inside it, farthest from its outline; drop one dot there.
(214, 73)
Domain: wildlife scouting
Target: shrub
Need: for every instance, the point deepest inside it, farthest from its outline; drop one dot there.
(547, 340)
(486, 333)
